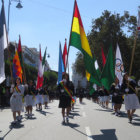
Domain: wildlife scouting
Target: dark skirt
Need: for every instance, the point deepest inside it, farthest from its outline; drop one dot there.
(64, 102)
(117, 99)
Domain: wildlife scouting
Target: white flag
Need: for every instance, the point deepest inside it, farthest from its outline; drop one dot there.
(3, 43)
(119, 68)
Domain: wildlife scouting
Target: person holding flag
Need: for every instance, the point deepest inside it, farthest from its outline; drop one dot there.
(16, 99)
(65, 96)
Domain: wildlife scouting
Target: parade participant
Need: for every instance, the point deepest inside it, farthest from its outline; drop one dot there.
(116, 96)
(65, 96)
(45, 97)
(101, 96)
(16, 99)
(130, 99)
(40, 98)
(106, 98)
(81, 95)
(29, 99)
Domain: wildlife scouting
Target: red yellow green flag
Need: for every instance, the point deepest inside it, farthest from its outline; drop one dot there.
(79, 40)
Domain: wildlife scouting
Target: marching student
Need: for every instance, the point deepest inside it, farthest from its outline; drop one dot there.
(40, 99)
(64, 97)
(130, 99)
(29, 99)
(116, 96)
(16, 99)
(45, 97)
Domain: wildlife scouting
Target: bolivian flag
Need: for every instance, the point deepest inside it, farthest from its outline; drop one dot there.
(79, 40)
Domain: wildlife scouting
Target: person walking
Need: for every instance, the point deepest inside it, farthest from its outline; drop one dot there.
(65, 97)
(130, 99)
(16, 99)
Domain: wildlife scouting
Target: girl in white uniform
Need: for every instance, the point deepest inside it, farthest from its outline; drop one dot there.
(130, 99)
(16, 99)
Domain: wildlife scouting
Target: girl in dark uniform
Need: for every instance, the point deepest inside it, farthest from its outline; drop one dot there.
(65, 98)
(116, 96)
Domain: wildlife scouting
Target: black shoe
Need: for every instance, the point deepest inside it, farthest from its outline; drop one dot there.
(130, 119)
(67, 119)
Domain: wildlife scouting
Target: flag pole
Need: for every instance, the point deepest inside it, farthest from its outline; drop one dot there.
(133, 52)
(70, 34)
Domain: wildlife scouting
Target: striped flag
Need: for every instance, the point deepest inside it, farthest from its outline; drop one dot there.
(43, 61)
(40, 73)
(3, 43)
(79, 40)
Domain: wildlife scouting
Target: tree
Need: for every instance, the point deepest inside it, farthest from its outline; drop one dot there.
(50, 79)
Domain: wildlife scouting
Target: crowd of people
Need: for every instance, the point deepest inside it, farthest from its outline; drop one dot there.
(25, 97)
(125, 93)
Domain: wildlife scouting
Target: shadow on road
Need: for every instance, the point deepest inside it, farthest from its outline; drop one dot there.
(108, 134)
(16, 126)
(108, 110)
(82, 103)
(44, 112)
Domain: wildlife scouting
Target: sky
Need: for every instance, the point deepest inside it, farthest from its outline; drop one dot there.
(47, 22)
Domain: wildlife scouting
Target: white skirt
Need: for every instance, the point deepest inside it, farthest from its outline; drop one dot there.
(39, 99)
(16, 103)
(101, 99)
(29, 100)
(106, 98)
(45, 98)
(131, 101)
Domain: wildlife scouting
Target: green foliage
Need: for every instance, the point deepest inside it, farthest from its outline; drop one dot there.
(50, 79)
(31, 73)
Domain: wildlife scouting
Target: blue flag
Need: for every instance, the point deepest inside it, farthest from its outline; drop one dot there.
(60, 65)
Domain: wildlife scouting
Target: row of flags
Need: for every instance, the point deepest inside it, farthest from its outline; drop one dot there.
(62, 62)
(79, 40)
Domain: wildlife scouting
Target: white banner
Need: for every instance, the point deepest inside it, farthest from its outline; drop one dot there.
(119, 68)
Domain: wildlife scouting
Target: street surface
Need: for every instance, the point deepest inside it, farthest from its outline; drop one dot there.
(88, 121)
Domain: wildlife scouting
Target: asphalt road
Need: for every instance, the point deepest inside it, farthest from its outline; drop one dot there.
(88, 121)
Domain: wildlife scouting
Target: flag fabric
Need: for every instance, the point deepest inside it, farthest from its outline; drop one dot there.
(40, 73)
(138, 21)
(17, 69)
(119, 68)
(103, 57)
(65, 54)
(19, 49)
(108, 73)
(60, 65)
(3, 43)
(43, 61)
(79, 40)
(91, 88)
